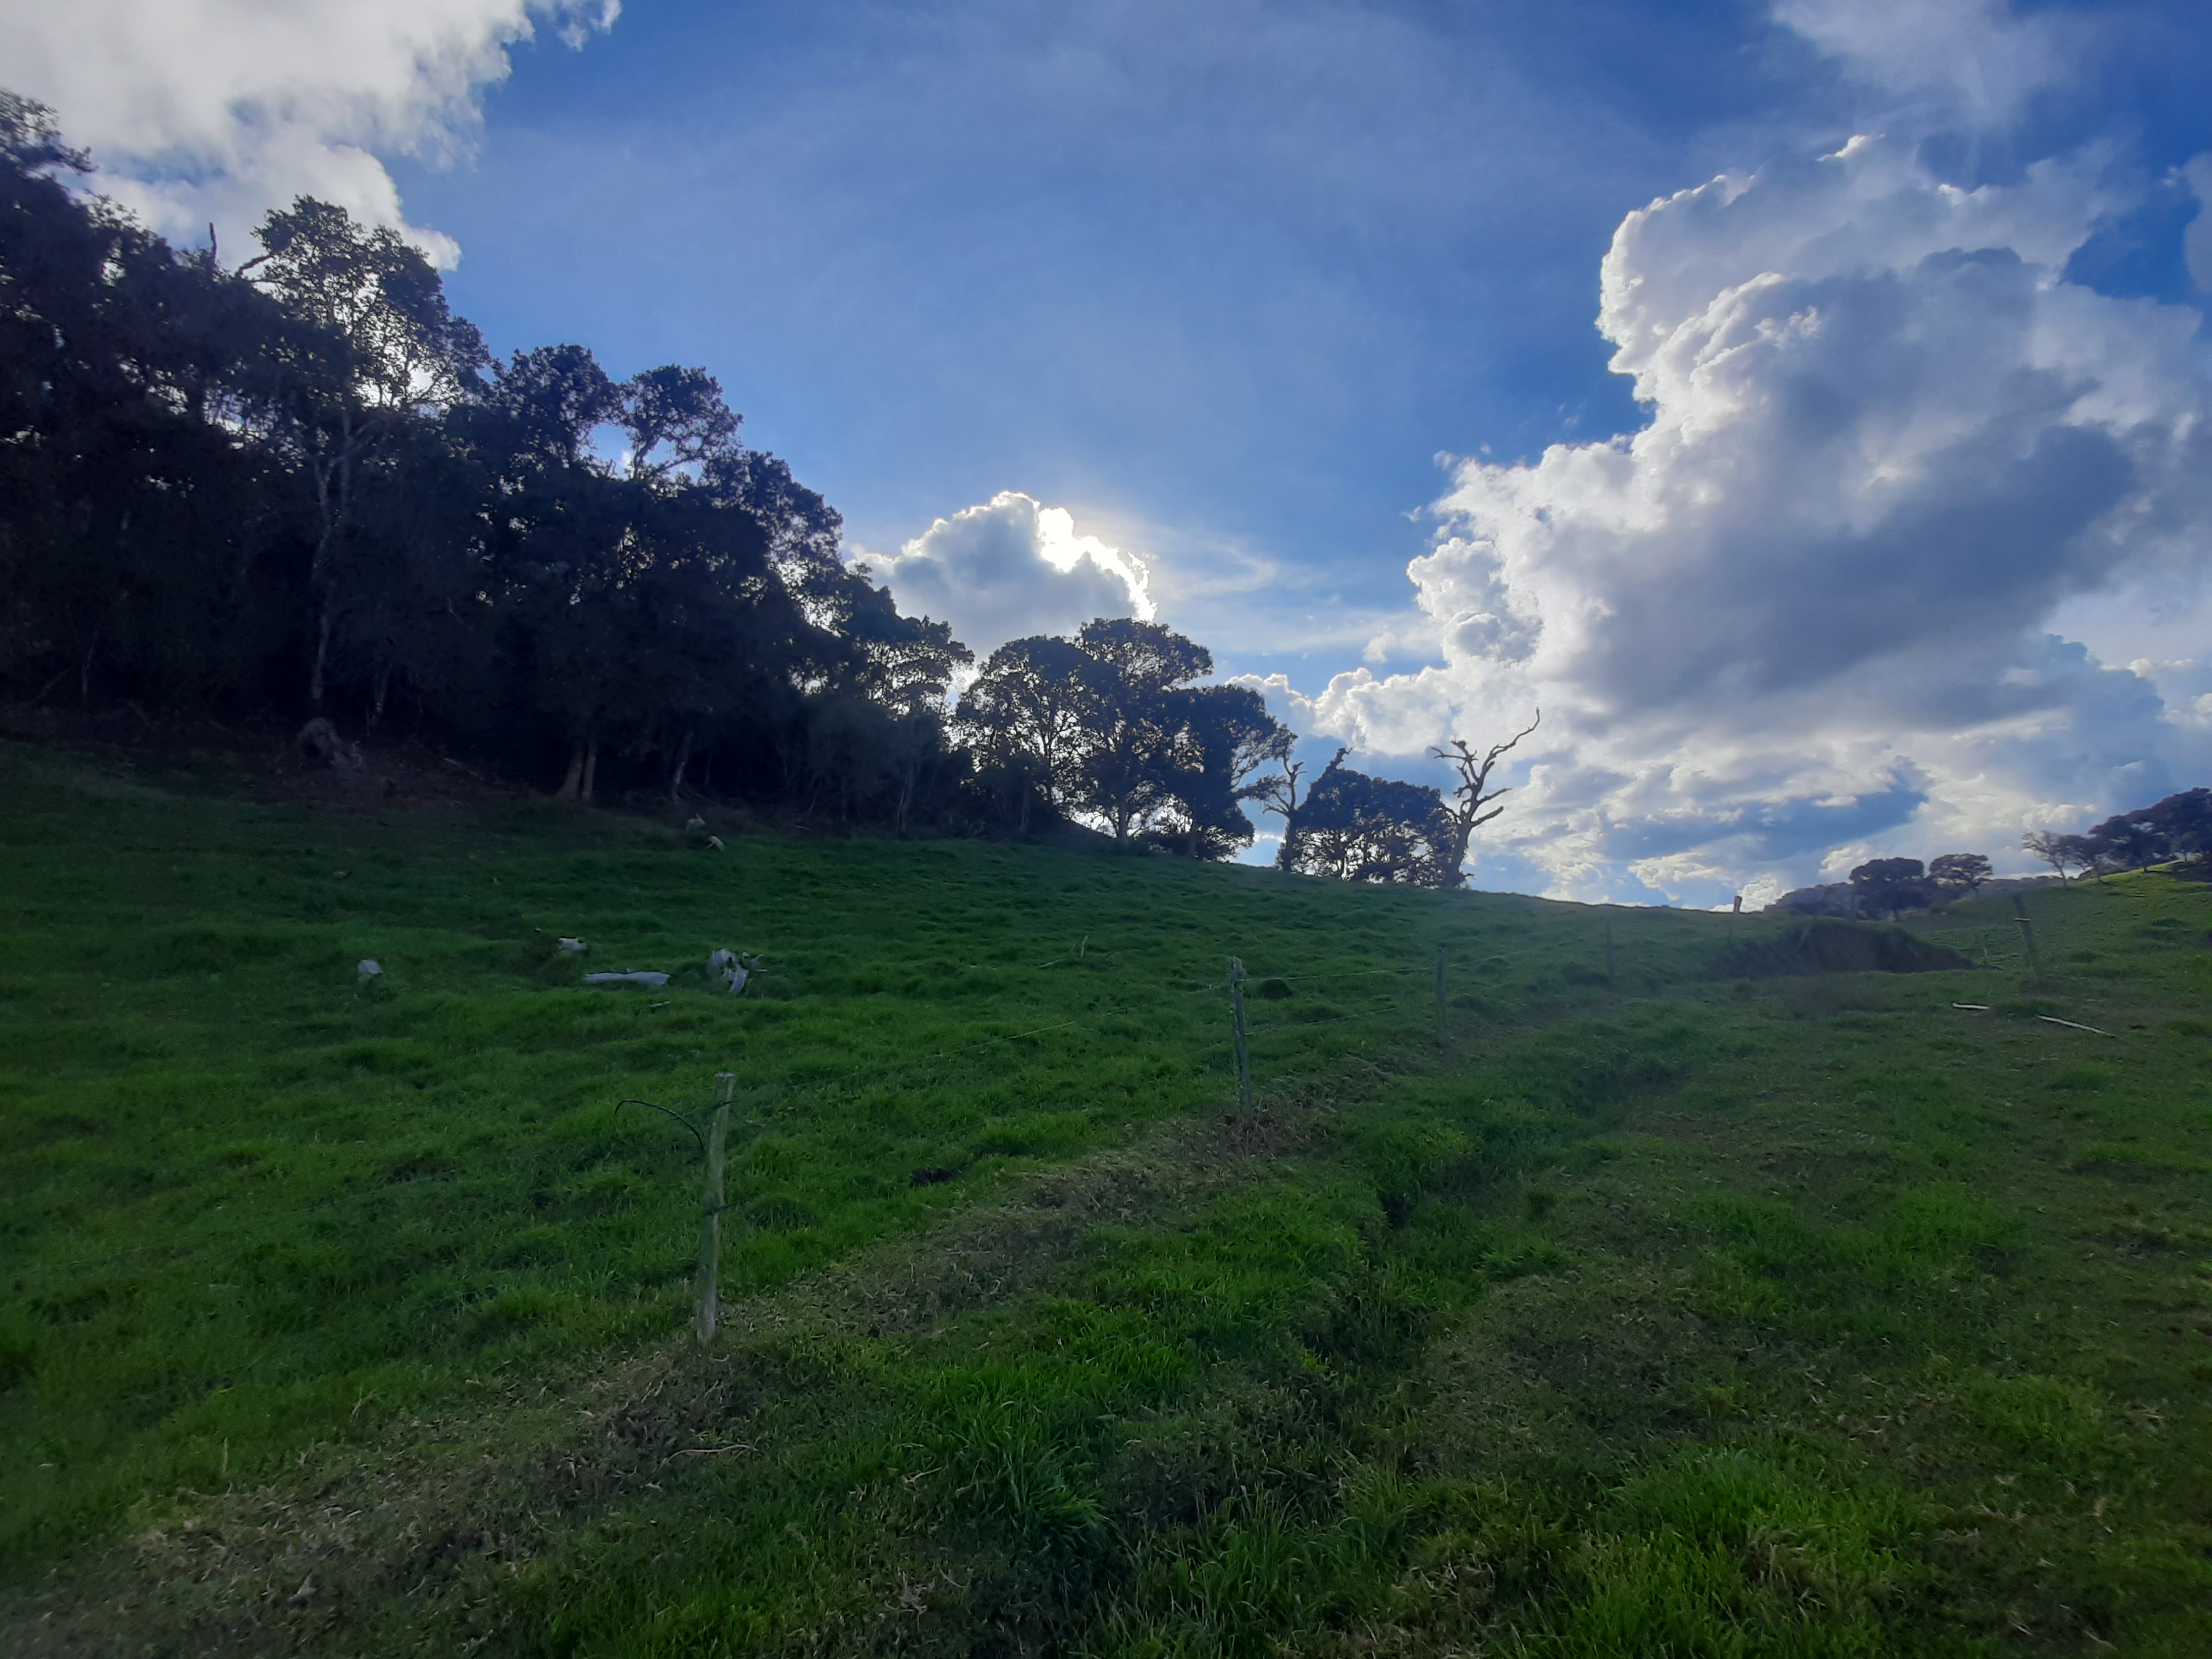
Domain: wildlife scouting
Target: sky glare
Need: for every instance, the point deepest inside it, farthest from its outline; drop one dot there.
(1806, 403)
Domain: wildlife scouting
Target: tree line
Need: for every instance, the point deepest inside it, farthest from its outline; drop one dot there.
(303, 486)
(300, 487)
(2177, 828)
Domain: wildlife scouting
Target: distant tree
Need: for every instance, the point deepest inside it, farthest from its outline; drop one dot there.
(2185, 821)
(1472, 794)
(1886, 886)
(1967, 870)
(1226, 737)
(1109, 728)
(2129, 840)
(1357, 828)
(1025, 717)
(1131, 725)
(1279, 795)
(2062, 853)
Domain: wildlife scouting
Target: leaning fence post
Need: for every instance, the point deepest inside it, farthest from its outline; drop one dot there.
(710, 1231)
(2027, 935)
(1441, 1038)
(1242, 1036)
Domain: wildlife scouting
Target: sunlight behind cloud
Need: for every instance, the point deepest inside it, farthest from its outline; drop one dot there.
(1011, 568)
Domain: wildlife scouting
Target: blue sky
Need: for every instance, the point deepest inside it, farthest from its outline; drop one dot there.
(1230, 285)
(1197, 285)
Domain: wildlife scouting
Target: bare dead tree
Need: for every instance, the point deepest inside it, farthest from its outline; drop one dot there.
(1474, 792)
(1279, 795)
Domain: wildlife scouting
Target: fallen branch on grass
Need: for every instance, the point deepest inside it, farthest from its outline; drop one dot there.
(707, 1451)
(2053, 1019)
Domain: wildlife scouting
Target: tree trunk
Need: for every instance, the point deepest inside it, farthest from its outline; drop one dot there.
(332, 516)
(319, 570)
(575, 780)
(676, 777)
(1454, 871)
(591, 768)
(322, 648)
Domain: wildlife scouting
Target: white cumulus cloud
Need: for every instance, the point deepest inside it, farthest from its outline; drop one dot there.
(2196, 240)
(1972, 60)
(1815, 606)
(1009, 569)
(218, 110)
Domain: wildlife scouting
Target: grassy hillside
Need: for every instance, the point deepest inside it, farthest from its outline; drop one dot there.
(1665, 1312)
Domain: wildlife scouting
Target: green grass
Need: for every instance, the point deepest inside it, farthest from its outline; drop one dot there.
(1667, 1314)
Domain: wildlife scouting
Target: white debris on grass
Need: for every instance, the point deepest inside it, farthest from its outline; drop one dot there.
(369, 967)
(716, 842)
(571, 945)
(734, 968)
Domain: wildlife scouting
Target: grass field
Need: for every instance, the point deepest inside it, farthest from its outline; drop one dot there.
(1665, 1312)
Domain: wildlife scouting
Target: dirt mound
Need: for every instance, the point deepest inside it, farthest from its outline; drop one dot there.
(1828, 945)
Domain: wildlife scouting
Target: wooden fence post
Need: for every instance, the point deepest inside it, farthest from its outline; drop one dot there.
(2027, 935)
(1237, 1029)
(710, 1231)
(1441, 1038)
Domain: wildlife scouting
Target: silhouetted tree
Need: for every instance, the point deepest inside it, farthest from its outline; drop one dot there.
(1228, 737)
(135, 496)
(675, 419)
(2185, 821)
(2129, 840)
(1472, 794)
(1279, 795)
(1109, 727)
(2062, 853)
(1967, 870)
(1024, 716)
(1886, 886)
(543, 406)
(399, 351)
(1131, 725)
(1357, 828)
(802, 530)
(305, 483)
